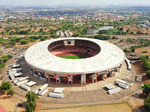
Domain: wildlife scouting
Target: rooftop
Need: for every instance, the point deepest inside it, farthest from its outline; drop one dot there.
(40, 58)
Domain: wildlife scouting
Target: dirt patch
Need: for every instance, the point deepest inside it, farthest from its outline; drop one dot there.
(97, 108)
(139, 67)
(9, 104)
(140, 50)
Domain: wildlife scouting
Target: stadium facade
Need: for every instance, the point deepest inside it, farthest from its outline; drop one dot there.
(100, 60)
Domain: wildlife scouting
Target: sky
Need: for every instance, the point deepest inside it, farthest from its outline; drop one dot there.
(75, 2)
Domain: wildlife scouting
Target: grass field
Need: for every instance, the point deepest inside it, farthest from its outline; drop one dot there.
(120, 107)
(73, 57)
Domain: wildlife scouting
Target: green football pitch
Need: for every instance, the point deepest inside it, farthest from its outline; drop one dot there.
(73, 57)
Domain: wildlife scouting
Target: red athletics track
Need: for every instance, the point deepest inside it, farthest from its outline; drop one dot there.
(2, 109)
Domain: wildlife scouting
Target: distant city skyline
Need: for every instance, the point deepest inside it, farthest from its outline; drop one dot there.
(75, 2)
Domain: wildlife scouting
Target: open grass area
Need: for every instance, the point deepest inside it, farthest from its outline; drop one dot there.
(119, 107)
(73, 57)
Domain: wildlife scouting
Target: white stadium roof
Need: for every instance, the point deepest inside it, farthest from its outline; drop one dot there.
(39, 57)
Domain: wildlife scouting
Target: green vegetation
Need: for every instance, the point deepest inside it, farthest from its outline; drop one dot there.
(11, 41)
(9, 56)
(113, 32)
(31, 101)
(24, 41)
(102, 37)
(4, 59)
(73, 57)
(148, 73)
(144, 52)
(114, 37)
(132, 49)
(146, 89)
(127, 50)
(2, 65)
(147, 103)
(146, 64)
(10, 92)
(6, 85)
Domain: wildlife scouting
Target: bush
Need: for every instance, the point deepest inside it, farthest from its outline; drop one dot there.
(132, 48)
(144, 52)
(10, 92)
(1, 77)
(43, 38)
(23, 41)
(146, 89)
(148, 73)
(31, 101)
(30, 106)
(6, 85)
(2, 65)
(147, 103)
(114, 37)
(9, 56)
(147, 65)
(4, 58)
(102, 37)
(126, 50)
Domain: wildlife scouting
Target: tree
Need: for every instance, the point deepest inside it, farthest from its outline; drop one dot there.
(132, 48)
(23, 41)
(30, 106)
(41, 30)
(147, 103)
(126, 50)
(114, 37)
(139, 32)
(84, 31)
(10, 92)
(2, 65)
(6, 85)
(102, 37)
(148, 73)
(31, 101)
(146, 88)
(121, 29)
(9, 56)
(147, 65)
(4, 58)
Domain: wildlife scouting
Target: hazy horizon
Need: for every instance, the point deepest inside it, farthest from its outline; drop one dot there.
(74, 3)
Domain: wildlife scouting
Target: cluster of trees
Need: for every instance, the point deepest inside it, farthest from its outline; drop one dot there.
(143, 42)
(132, 49)
(102, 37)
(112, 32)
(146, 65)
(146, 91)
(11, 41)
(14, 31)
(114, 37)
(6, 86)
(4, 59)
(31, 101)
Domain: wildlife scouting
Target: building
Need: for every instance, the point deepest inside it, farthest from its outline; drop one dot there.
(101, 60)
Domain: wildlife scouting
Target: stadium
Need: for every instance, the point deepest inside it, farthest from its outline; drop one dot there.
(74, 60)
